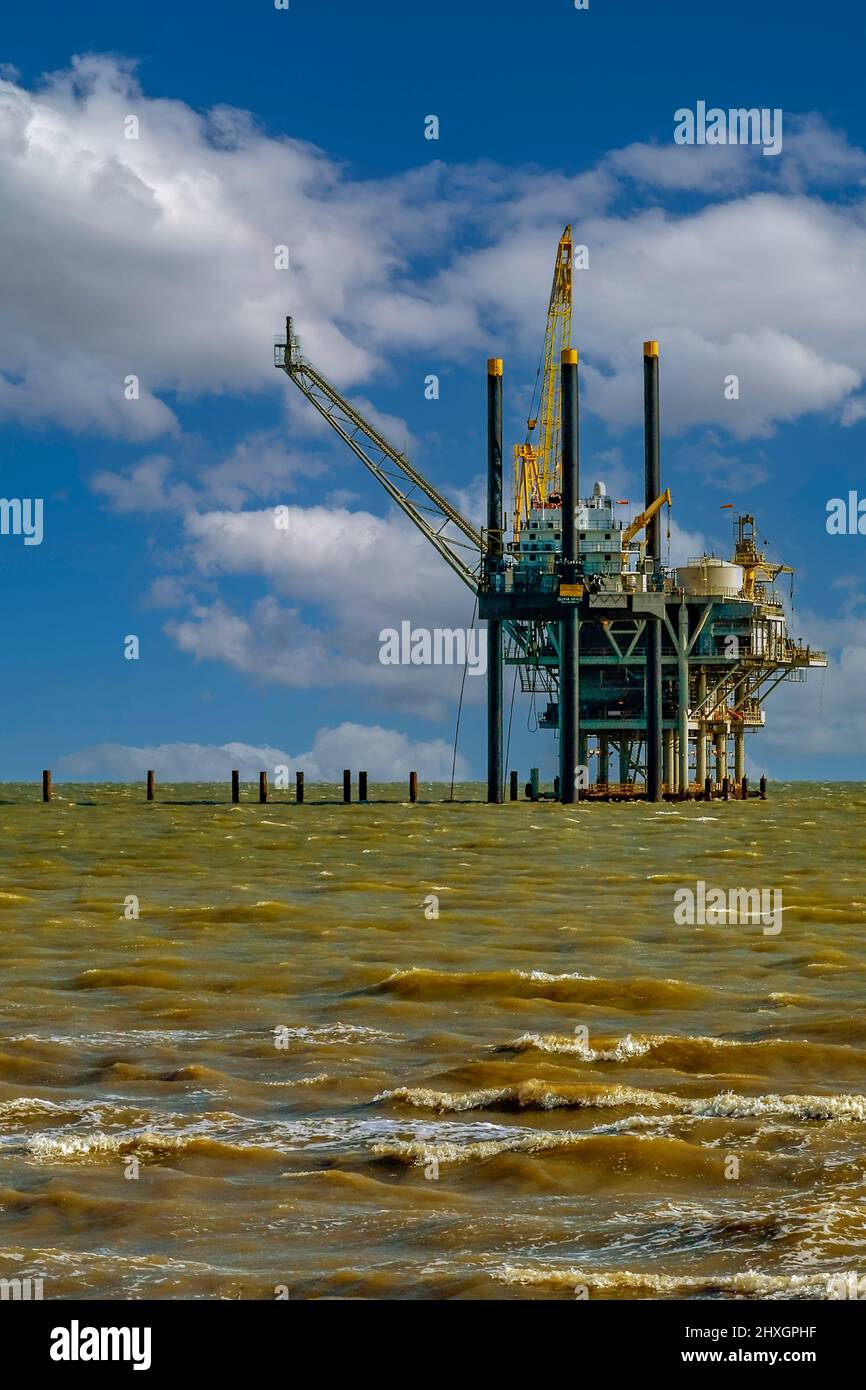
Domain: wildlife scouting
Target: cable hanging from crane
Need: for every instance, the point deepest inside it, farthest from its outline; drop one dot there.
(460, 708)
(510, 719)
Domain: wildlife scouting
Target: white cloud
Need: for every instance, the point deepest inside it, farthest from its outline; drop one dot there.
(386, 754)
(328, 555)
(258, 467)
(812, 153)
(815, 153)
(710, 169)
(685, 545)
(271, 643)
(155, 256)
(354, 573)
(145, 488)
(826, 717)
(169, 591)
(853, 411)
(714, 287)
(609, 466)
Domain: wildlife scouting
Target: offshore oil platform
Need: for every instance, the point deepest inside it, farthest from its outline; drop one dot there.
(661, 669)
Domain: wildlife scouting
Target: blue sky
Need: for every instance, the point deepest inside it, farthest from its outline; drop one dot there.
(155, 257)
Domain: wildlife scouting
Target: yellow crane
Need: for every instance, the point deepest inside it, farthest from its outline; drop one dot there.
(755, 566)
(537, 463)
(642, 520)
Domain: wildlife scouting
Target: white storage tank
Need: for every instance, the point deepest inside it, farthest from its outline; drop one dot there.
(709, 576)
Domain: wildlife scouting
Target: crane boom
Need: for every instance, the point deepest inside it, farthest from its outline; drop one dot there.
(641, 520)
(537, 466)
(558, 336)
(434, 516)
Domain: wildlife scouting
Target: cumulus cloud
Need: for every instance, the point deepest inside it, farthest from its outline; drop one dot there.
(258, 466)
(710, 169)
(154, 256)
(168, 269)
(271, 642)
(356, 573)
(853, 411)
(686, 544)
(145, 488)
(826, 717)
(813, 153)
(386, 754)
(714, 287)
(168, 255)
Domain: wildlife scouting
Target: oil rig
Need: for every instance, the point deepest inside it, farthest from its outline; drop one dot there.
(662, 669)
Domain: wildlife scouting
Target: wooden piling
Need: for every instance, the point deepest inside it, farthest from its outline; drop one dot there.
(347, 785)
(763, 788)
(708, 789)
(362, 786)
(744, 788)
(726, 788)
(299, 788)
(236, 787)
(151, 785)
(512, 786)
(413, 787)
(46, 784)
(263, 786)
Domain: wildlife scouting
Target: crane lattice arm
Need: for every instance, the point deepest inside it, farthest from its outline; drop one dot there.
(537, 465)
(456, 539)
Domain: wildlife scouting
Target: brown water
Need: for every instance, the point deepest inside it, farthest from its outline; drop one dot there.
(433, 1123)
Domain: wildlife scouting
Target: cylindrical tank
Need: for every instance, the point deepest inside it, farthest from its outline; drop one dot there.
(709, 575)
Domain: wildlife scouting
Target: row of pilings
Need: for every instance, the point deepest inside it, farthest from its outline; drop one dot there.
(264, 788)
(608, 791)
